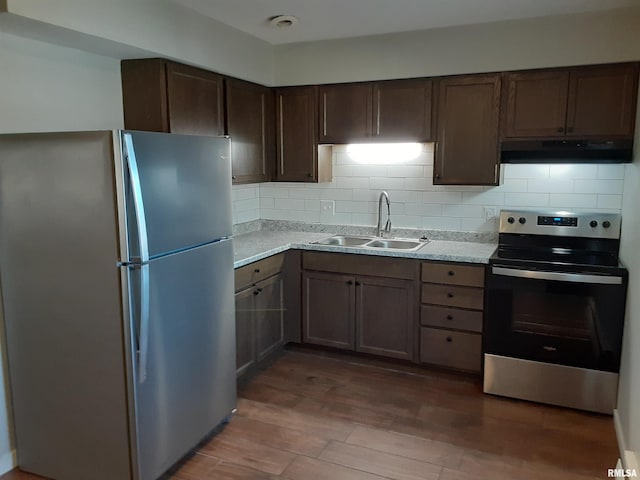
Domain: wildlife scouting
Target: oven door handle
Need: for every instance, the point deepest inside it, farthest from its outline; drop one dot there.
(558, 276)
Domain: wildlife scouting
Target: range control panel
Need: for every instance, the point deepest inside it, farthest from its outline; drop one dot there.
(571, 224)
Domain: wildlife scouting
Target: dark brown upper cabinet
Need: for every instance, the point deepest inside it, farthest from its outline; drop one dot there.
(298, 158)
(250, 120)
(344, 112)
(402, 111)
(163, 96)
(468, 124)
(396, 110)
(571, 103)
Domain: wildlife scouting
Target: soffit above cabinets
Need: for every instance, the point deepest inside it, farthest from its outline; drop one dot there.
(331, 19)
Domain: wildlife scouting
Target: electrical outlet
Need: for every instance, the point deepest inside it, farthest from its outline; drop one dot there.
(327, 207)
(489, 213)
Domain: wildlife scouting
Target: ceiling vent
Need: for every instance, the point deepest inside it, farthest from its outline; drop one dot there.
(283, 21)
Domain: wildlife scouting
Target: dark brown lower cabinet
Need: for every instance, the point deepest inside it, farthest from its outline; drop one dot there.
(328, 309)
(365, 314)
(260, 315)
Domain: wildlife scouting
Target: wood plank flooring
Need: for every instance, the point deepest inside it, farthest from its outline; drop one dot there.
(314, 416)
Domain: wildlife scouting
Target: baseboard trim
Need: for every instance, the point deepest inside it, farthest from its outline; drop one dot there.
(8, 462)
(627, 457)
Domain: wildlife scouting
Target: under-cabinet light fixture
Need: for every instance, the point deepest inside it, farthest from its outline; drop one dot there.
(383, 153)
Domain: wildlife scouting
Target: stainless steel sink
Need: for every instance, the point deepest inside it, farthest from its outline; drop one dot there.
(344, 241)
(396, 244)
(371, 242)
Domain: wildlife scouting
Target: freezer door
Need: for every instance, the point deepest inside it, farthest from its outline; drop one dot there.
(180, 187)
(188, 385)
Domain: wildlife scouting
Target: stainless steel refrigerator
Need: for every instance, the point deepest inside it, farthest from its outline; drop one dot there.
(116, 265)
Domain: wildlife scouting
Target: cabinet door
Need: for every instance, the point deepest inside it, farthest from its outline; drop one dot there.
(536, 104)
(602, 101)
(144, 95)
(195, 101)
(345, 112)
(385, 318)
(402, 110)
(245, 331)
(250, 121)
(269, 315)
(328, 309)
(467, 140)
(297, 141)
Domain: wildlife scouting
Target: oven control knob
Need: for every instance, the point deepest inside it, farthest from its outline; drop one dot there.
(593, 224)
(606, 224)
(511, 220)
(522, 220)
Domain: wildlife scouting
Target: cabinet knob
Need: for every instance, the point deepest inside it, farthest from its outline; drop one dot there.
(449, 339)
(560, 129)
(451, 273)
(257, 270)
(450, 295)
(437, 176)
(233, 177)
(259, 290)
(310, 175)
(256, 292)
(449, 317)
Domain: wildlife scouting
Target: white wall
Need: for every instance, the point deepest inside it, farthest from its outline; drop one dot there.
(48, 88)
(150, 27)
(629, 388)
(417, 203)
(532, 43)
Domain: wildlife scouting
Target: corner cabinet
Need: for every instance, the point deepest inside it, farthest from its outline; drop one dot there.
(298, 157)
(163, 96)
(581, 102)
(260, 313)
(468, 124)
(360, 303)
(250, 124)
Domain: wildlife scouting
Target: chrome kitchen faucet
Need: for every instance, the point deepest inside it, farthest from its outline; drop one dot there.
(387, 228)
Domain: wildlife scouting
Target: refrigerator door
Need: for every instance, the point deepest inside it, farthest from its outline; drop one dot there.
(188, 385)
(181, 186)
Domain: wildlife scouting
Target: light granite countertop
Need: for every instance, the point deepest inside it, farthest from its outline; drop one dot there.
(250, 247)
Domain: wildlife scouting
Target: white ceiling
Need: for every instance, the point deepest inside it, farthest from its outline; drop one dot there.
(329, 19)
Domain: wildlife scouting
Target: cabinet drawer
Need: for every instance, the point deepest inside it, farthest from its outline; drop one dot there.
(451, 349)
(257, 271)
(451, 318)
(452, 296)
(453, 274)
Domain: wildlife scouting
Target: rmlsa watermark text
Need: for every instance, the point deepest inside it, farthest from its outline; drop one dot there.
(622, 473)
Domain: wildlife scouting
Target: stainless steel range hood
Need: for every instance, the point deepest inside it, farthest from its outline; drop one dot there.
(566, 151)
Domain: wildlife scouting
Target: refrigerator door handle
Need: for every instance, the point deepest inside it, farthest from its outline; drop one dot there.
(143, 251)
(143, 336)
(138, 203)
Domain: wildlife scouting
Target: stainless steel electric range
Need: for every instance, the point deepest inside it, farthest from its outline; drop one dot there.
(555, 302)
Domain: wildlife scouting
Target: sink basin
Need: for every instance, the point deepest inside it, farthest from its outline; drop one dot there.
(344, 241)
(369, 242)
(396, 244)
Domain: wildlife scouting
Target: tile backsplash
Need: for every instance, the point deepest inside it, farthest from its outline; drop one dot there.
(351, 198)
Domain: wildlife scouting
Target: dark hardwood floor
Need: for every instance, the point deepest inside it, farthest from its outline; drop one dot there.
(314, 416)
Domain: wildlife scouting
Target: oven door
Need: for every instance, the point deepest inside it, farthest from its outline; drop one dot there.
(565, 318)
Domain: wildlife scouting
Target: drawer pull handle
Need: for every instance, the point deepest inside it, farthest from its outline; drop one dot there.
(450, 295)
(449, 339)
(451, 273)
(257, 270)
(449, 317)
